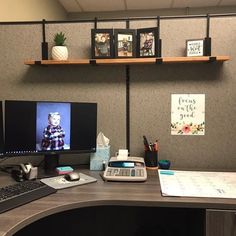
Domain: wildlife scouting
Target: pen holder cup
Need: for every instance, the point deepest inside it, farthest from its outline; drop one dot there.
(151, 159)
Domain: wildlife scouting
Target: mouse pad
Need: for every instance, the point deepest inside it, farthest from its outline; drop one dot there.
(59, 182)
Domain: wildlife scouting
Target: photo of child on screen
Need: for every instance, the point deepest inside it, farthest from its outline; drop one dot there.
(53, 134)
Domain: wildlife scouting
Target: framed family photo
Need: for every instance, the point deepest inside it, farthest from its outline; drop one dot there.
(102, 43)
(147, 42)
(125, 43)
(195, 47)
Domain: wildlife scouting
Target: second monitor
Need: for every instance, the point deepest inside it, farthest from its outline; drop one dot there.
(34, 127)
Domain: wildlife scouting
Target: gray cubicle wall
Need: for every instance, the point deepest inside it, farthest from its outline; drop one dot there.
(151, 86)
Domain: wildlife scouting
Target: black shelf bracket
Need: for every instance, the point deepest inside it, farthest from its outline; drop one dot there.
(212, 59)
(159, 61)
(38, 63)
(93, 62)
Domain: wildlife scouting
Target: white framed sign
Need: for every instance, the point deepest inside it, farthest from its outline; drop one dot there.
(187, 114)
(195, 47)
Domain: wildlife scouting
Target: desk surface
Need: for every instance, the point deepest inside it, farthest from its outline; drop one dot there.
(98, 194)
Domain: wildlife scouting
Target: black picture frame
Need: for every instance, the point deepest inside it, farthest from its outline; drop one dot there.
(195, 47)
(147, 42)
(125, 43)
(102, 43)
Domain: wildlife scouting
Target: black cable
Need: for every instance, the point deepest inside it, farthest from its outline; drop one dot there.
(3, 159)
(127, 72)
(8, 168)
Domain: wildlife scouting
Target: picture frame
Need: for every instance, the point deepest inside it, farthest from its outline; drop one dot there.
(125, 43)
(195, 48)
(147, 42)
(102, 43)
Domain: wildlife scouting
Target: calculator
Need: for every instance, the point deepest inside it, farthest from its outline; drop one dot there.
(131, 169)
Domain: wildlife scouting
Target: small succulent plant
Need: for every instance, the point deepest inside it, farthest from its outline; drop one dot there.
(59, 39)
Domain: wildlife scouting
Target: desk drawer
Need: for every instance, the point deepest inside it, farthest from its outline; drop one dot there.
(220, 222)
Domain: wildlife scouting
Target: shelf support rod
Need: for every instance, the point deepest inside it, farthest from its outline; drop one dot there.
(158, 37)
(95, 23)
(127, 24)
(44, 44)
(207, 41)
(208, 25)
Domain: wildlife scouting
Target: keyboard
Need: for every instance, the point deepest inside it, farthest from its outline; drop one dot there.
(21, 193)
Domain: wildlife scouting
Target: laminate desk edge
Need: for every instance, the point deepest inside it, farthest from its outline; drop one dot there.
(35, 217)
(102, 194)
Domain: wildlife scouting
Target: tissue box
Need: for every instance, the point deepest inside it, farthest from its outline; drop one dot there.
(96, 159)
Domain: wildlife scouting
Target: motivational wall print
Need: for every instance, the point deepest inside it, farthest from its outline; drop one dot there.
(195, 47)
(187, 114)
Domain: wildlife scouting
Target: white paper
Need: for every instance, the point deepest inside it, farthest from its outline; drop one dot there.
(102, 140)
(198, 183)
(122, 154)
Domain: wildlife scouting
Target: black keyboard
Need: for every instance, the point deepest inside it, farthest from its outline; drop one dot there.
(18, 194)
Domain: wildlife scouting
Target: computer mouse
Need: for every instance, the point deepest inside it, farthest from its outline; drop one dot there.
(72, 176)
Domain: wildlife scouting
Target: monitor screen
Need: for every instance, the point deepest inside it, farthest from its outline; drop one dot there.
(1, 132)
(33, 127)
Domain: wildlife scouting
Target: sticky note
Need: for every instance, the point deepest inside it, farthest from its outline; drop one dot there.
(167, 172)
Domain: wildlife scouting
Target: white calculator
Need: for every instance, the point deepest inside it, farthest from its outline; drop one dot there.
(131, 169)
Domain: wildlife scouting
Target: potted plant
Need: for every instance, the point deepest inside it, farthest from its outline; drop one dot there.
(59, 51)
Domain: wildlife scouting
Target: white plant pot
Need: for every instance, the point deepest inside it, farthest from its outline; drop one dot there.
(59, 53)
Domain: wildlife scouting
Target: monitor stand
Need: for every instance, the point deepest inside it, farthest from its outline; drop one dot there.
(51, 161)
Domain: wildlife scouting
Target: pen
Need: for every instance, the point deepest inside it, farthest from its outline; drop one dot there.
(155, 146)
(150, 146)
(145, 142)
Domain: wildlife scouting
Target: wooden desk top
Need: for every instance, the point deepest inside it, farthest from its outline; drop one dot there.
(97, 194)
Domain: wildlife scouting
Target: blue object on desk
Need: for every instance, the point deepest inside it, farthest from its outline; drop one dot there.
(164, 164)
(64, 170)
(101, 156)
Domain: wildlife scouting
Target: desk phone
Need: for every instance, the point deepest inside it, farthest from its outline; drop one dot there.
(130, 169)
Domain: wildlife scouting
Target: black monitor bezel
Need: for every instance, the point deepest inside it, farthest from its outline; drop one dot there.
(2, 139)
(50, 152)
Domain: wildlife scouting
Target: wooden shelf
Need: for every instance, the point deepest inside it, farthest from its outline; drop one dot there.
(55, 62)
(195, 59)
(130, 61)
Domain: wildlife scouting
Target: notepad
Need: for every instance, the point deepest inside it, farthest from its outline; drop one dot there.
(197, 183)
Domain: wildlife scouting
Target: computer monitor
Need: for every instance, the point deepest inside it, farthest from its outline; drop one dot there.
(50, 128)
(1, 132)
